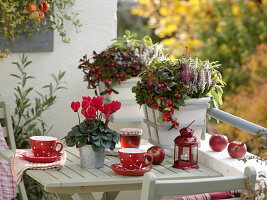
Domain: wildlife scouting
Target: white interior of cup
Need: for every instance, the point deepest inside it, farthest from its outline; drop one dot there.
(43, 138)
(132, 150)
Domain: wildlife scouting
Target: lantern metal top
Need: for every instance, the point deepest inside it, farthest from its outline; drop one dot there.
(186, 137)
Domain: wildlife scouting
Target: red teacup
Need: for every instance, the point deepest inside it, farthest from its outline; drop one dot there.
(134, 159)
(44, 146)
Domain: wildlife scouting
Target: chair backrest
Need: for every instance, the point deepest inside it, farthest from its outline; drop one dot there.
(6, 123)
(154, 189)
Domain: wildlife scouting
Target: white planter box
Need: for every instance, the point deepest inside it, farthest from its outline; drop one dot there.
(160, 134)
(130, 110)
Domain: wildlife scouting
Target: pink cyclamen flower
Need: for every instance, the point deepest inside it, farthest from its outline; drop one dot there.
(90, 112)
(115, 106)
(86, 98)
(106, 109)
(75, 105)
(85, 104)
(97, 102)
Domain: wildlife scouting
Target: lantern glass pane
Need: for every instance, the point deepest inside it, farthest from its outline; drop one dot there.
(176, 156)
(185, 154)
(194, 154)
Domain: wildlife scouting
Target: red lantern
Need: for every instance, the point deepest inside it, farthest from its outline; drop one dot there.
(186, 150)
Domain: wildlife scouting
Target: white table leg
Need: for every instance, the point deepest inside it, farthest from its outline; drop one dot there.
(86, 196)
(110, 195)
(64, 196)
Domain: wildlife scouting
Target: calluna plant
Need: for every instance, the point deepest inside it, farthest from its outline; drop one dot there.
(122, 60)
(166, 84)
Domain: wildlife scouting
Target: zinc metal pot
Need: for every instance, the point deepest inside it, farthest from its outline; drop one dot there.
(90, 158)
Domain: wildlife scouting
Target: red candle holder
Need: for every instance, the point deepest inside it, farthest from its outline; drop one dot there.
(186, 150)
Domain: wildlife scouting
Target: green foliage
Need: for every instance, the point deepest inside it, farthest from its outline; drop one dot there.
(15, 19)
(165, 84)
(92, 131)
(123, 59)
(27, 119)
(231, 35)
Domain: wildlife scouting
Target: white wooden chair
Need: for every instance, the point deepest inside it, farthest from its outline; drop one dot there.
(154, 189)
(6, 123)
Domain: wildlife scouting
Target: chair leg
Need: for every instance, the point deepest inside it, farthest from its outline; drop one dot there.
(22, 191)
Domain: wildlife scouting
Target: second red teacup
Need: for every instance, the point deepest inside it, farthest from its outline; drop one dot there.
(44, 146)
(134, 159)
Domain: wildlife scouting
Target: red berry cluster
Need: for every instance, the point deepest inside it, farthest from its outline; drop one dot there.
(161, 92)
(111, 67)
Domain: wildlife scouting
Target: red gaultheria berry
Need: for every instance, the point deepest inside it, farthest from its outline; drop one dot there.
(150, 101)
(170, 102)
(150, 83)
(117, 75)
(96, 68)
(178, 95)
(92, 69)
(149, 91)
(155, 106)
(75, 105)
(109, 91)
(153, 79)
(96, 76)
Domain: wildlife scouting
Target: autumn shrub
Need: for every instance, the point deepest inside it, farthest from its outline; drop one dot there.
(227, 31)
(250, 101)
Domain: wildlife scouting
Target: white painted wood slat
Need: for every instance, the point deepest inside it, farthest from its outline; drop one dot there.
(2, 113)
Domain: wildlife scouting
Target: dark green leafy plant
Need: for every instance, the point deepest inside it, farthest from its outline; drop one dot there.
(166, 84)
(16, 17)
(93, 130)
(124, 59)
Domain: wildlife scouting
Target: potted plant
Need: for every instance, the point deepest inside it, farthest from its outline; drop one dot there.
(92, 136)
(113, 72)
(177, 92)
(120, 61)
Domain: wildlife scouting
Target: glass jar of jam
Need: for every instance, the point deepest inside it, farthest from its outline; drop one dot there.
(130, 137)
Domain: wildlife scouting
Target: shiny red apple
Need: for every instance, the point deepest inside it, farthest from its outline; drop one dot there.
(218, 142)
(158, 154)
(237, 149)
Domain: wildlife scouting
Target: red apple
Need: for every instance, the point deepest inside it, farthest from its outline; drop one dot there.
(158, 154)
(237, 149)
(218, 142)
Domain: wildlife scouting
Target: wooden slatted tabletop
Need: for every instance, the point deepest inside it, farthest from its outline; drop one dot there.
(74, 179)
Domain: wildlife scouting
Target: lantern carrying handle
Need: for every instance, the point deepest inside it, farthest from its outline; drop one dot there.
(190, 123)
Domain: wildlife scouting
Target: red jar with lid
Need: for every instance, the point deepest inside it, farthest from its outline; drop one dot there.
(130, 137)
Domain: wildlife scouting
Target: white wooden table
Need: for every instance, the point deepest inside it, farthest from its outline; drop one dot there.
(74, 179)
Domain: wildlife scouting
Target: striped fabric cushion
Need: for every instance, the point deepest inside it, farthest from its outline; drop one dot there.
(210, 196)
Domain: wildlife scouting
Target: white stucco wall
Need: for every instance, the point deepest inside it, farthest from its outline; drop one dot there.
(99, 27)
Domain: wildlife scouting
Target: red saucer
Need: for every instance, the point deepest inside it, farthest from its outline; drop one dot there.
(120, 170)
(28, 155)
